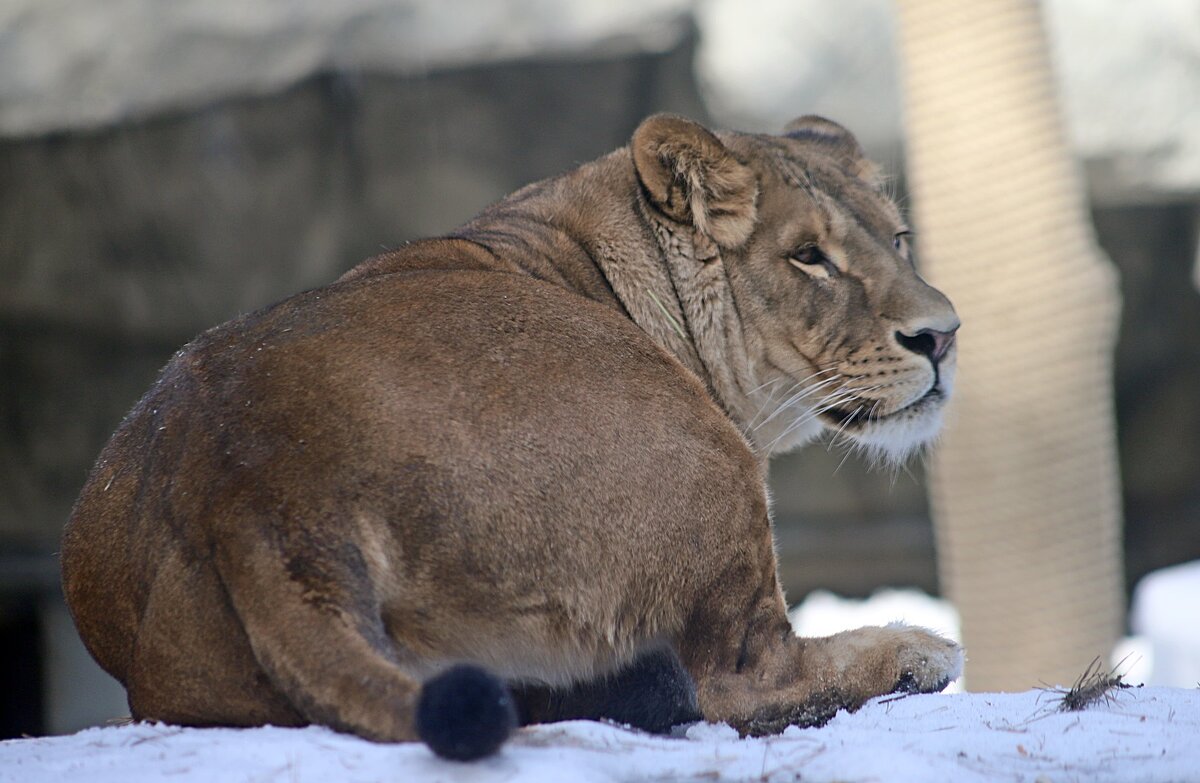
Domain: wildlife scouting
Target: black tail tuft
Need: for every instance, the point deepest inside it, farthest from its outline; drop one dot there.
(465, 713)
(654, 693)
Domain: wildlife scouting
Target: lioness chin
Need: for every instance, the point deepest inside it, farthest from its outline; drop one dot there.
(535, 447)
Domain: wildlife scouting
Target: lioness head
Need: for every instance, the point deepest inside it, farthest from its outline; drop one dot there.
(838, 331)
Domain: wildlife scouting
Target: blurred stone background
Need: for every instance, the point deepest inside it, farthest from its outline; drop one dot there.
(165, 166)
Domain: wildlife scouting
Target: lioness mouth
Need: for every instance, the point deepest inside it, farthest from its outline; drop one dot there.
(844, 419)
(848, 418)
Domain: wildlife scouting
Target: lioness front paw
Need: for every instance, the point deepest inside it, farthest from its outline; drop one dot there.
(927, 662)
(894, 659)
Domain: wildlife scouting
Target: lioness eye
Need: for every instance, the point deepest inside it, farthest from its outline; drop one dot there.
(809, 255)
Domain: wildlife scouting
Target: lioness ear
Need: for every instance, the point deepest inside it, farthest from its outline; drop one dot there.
(693, 178)
(838, 143)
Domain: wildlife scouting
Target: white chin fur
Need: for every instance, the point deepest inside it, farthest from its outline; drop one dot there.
(891, 440)
(894, 439)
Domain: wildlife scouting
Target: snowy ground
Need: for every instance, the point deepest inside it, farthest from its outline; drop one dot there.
(1144, 734)
(1136, 734)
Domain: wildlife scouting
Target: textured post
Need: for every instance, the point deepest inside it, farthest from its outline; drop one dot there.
(1025, 488)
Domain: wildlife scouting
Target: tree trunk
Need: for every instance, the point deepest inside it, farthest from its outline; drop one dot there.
(1025, 488)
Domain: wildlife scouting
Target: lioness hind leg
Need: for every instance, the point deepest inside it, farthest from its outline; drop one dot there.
(316, 630)
(199, 671)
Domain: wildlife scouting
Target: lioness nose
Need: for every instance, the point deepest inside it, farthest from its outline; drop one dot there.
(931, 343)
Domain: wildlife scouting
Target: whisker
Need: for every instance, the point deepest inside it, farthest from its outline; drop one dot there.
(777, 379)
(837, 397)
(828, 402)
(845, 422)
(765, 384)
(792, 400)
(791, 396)
(845, 457)
(750, 425)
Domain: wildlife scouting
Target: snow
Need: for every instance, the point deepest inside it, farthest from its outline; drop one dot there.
(1164, 649)
(1135, 734)
(1142, 734)
(1166, 607)
(822, 613)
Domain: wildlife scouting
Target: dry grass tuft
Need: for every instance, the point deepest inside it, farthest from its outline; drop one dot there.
(1092, 687)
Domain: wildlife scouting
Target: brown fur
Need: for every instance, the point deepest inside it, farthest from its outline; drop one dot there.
(496, 447)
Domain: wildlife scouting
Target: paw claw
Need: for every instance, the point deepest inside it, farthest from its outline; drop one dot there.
(906, 684)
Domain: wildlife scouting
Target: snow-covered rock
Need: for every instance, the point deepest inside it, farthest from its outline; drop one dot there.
(1145, 734)
(1127, 72)
(1127, 69)
(822, 613)
(81, 63)
(1166, 615)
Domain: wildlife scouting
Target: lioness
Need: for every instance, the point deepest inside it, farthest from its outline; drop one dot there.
(525, 457)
